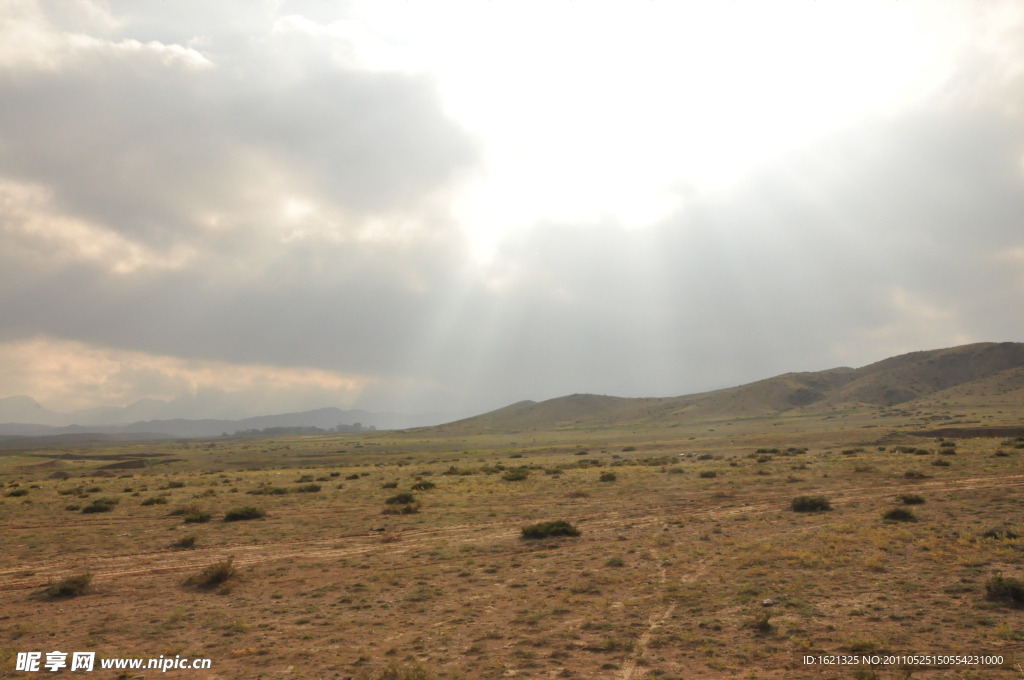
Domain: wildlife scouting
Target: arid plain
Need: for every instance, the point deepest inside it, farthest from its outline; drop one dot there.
(690, 560)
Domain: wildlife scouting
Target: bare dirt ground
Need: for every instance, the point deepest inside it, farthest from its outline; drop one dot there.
(668, 578)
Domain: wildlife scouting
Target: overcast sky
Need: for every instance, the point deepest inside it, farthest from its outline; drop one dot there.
(424, 206)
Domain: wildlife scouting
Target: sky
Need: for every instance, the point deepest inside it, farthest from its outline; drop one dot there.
(253, 207)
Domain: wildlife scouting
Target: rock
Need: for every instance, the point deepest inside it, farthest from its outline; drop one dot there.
(768, 603)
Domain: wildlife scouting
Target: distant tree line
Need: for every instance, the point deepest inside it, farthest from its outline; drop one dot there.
(306, 429)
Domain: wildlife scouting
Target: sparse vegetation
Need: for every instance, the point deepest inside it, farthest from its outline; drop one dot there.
(516, 475)
(244, 513)
(899, 515)
(708, 474)
(101, 505)
(185, 542)
(72, 586)
(810, 504)
(558, 527)
(155, 500)
(1006, 590)
(403, 498)
(423, 486)
(217, 574)
(606, 477)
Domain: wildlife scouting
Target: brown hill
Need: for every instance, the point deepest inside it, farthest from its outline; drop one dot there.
(980, 371)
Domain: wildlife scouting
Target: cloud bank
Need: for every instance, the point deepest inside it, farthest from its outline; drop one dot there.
(278, 209)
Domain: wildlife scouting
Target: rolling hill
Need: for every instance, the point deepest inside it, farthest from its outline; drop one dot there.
(990, 373)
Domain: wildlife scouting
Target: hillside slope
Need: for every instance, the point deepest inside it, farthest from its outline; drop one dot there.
(987, 370)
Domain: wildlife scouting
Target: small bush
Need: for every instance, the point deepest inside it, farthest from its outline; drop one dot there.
(761, 623)
(335, 474)
(403, 498)
(198, 517)
(558, 527)
(304, 478)
(914, 474)
(389, 485)
(353, 476)
(100, 505)
(899, 515)
(214, 575)
(910, 499)
(626, 448)
(406, 509)
(247, 512)
(423, 486)
(810, 504)
(185, 542)
(72, 507)
(175, 485)
(577, 494)
(615, 562)
(947, 445)
(708, 474)
(72, 586)
(155, 500)
(607, 477)
(938, 462)
(1001, 532)
(308, 488)
(265, 490)
(1001, 454)
(16, 493)
(1007, 590)
(516, 475)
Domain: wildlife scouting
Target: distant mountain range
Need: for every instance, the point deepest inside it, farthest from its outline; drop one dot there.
(23, 416)
(983, 373)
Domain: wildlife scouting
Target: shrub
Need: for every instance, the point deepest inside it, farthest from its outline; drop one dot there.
(761, 623)
(423, 486)
(1008, 590)
(185, 542)
(175, 485)
(247, 512)
(155, 500)
(354, 475)
(910, 499)
(1001, 454)
(914, 474)
(938, 462)
(607, 477)
(335, 474)
(304, 478)
(810, 504)
(1001, 532)
(100, 505)
(308, 488)
(403, 498)
(198, 517)
(708, 474)
(516, 475)
(72, 507)
(185, 510)
(389, 485)
(577, 494)
(406, 509)
(558, 527)
(629, 448)
(72, 586)
(16, 493)
(899, 515)
(396, 672)
(615, 562)
(214, 575)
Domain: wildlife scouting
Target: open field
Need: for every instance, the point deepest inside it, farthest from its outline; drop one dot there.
(667, 578)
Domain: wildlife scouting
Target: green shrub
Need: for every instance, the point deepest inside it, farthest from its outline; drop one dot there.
(423, 486)
(938, 462)
(626, 448)
(406, 509)
(1001, 532)
(389, 485)
(910, 499)
(708, 474)
(403, 498)
(353, 476)
(335, 474)
(810, 504)
(72, 507)
(899, 515)
(914, 474)
(761, 623)
(1007, 590)
(921, 452)
(198, 517)
(155, 500)
(607, 477)
(185, 542)
(100, 505)
(304, 478)
(244, 513)
(214, 575)
(516, 475)
(16, 493)
(558, 527)
(266, 490)
(308, 488)
(72, 586)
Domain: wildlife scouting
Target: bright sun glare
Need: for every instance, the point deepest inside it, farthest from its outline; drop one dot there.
(619, 112)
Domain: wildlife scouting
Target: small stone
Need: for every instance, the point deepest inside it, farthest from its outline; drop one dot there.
(768, 603)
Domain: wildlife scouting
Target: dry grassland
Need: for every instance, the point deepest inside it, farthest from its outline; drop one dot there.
(667, 578)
